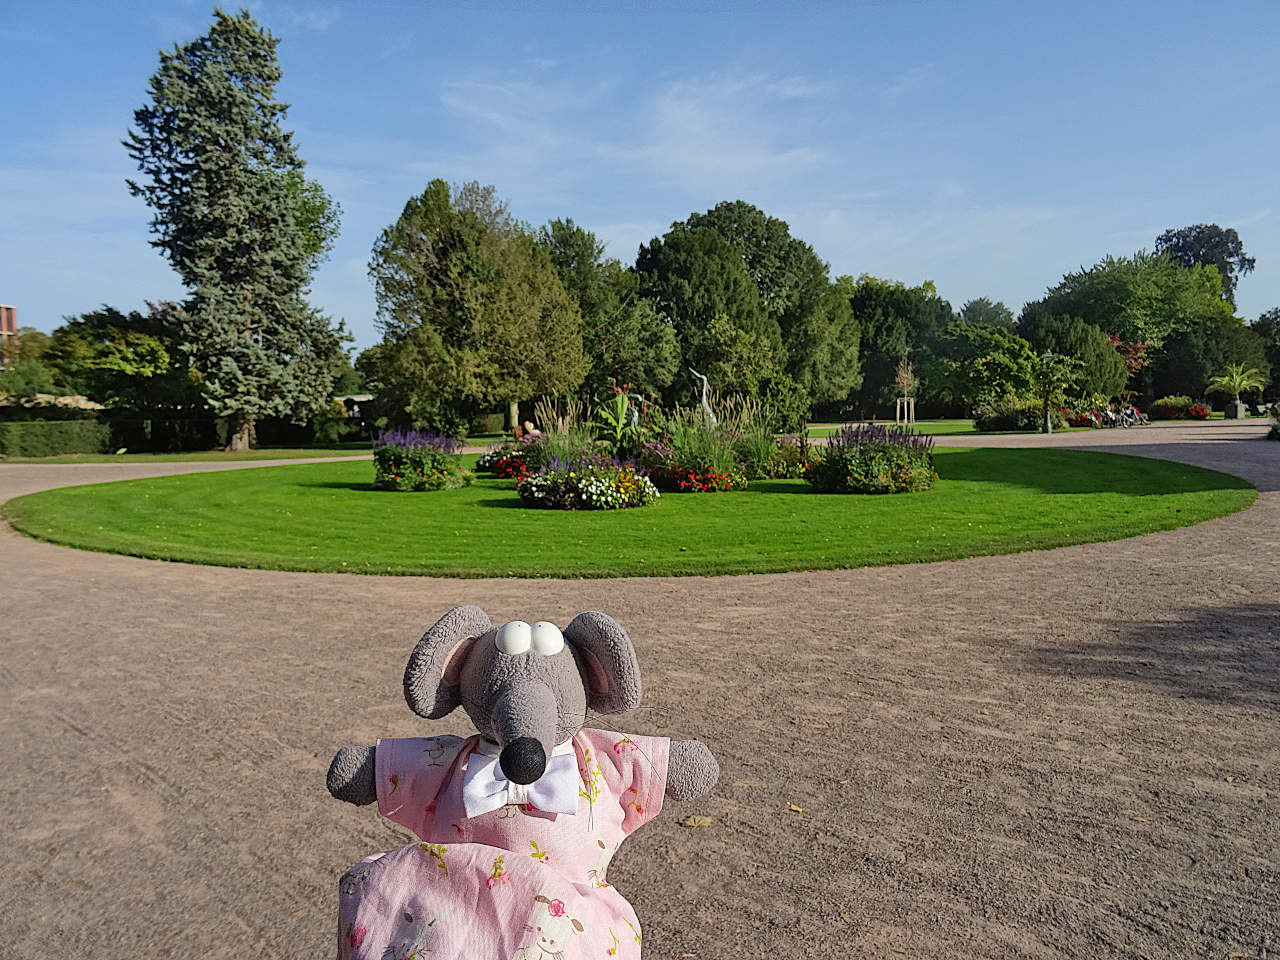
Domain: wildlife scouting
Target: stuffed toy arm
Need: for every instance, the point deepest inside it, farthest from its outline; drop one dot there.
(351, 776)
(691, 770)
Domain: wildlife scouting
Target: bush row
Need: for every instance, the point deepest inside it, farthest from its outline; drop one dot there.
(51, 438)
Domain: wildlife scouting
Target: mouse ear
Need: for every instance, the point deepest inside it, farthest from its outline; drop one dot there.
(607, 662)
(431, 678)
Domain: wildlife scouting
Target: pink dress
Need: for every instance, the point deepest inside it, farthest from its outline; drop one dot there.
(516, 883)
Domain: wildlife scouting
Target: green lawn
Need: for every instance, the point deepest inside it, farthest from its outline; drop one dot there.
(325, 517)
(264, 453)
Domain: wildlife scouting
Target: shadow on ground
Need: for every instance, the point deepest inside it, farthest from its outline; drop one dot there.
(1115, 473)
(1215, 654)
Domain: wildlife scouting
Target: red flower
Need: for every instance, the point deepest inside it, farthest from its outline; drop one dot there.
(556, 908)
(356, 937)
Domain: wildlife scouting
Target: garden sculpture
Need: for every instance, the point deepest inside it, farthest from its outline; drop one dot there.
(706, 407)
(518, 823)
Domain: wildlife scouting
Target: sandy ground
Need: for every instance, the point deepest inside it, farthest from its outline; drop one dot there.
(1071, 753)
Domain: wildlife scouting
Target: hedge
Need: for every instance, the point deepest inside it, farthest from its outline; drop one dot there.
(50, 438)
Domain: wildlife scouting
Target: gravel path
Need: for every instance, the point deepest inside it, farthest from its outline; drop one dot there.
(1070, 753)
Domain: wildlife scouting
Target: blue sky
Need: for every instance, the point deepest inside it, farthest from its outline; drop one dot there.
(989, 147)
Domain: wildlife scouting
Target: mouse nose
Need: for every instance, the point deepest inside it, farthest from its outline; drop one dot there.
(523, 760)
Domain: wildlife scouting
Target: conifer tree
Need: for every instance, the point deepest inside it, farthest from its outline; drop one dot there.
(240, 225)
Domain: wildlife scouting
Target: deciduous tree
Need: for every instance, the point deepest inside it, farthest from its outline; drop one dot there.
(472, 313)
(1209, 245)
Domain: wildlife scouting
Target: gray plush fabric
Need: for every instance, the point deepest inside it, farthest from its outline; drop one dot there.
(428, 691)
(513, 696)
(351, 776)
(691, 770)
(607, 661)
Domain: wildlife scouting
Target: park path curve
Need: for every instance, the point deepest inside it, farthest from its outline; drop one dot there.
(1064, 753)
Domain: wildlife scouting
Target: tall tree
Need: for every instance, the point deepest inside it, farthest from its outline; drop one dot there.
(237, 220)
(1267, 327)
(819, 334)
(623, 337)
(898, 323)
(987, 363)
(1190, 358)
(471, 310)
(982, 310)
(1102, 371)
(1142, 298)
(694, 276)
(1209, 245)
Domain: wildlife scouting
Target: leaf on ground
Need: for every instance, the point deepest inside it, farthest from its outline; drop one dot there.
(1141, 819)
(693, 822)
(794, 809)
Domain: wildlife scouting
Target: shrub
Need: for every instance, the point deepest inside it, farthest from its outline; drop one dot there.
(1275, 426)
(1198, 411)
(417, 460)
(1083, 418)
(588, 485)
(487, 423)
(51, 438)
(786, 404)
(1171, 408)
(1013, 413)
(874, 459)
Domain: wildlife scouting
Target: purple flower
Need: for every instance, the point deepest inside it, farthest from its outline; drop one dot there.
(418, 440)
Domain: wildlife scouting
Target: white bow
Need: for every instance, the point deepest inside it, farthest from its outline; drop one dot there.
(485, 787)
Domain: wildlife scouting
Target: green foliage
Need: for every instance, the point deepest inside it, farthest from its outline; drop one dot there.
(50, 438)
(1189, 358)
(1175, 407)
(1274, 433)
(1102, 372)
(819, 335)
(982, 310)
(1235, 380)
(898, 323)
(472, 313)
(986, 362)
(871, 459)
(785, 404)
(1052, 377)
(1014, 413)
(27, 344)
(699, 283)
(233, 219)
(623, 338)
(1142, 298)
(1267, 329)
(133, 362)
(588, 486)
(1209, 245)
(25, 378)
(408, 469)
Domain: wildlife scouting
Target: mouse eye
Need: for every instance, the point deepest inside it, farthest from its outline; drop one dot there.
(546, 638)
(513, 638)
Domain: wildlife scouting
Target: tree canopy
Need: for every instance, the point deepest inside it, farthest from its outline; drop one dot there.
(472, 312)
(623, 337)
(1209, 245)
(239, 223)
(982, 310)
(819, 335)
(898, 323)
(1102, 369)
(1141, 298)
(987, 363)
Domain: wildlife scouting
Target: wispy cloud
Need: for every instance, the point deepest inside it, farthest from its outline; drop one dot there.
(910, 81)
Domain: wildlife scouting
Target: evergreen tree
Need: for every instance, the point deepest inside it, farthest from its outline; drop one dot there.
(1102, 370)
(239, 223)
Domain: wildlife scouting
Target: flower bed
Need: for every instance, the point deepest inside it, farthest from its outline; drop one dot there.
(588, 485)
(1198, 411)
(416, 460)
(690, 480)
(874, 459)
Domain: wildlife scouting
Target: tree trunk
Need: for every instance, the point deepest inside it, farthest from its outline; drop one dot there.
(241, 433)
(1048, 421)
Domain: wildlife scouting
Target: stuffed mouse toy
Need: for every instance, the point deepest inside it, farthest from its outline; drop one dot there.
(518, 823)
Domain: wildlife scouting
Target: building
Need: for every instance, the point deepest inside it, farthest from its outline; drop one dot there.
(8, 329)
